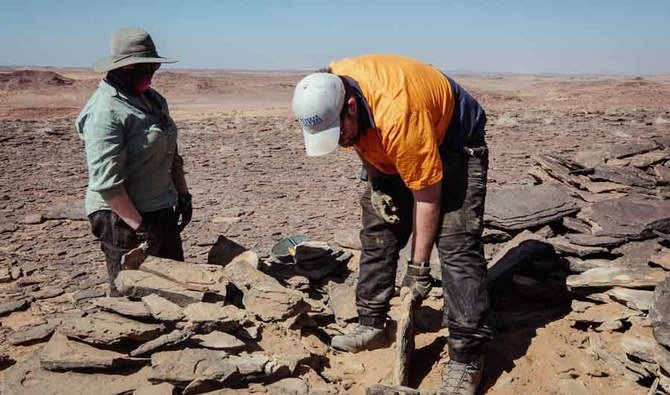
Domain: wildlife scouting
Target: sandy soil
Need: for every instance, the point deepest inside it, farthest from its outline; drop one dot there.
(251, 182)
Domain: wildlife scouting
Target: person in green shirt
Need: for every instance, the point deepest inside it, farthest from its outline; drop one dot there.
(137, 191)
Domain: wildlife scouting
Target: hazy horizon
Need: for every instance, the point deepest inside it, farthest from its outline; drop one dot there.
(618, 37)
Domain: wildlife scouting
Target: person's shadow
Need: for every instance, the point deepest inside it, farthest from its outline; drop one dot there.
(526, 296)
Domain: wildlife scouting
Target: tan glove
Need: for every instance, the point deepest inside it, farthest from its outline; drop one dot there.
(385, 206)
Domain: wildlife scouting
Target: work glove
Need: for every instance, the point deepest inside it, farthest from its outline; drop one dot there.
(184, 209)
(385, 206)
(418, 280)
(146, 233)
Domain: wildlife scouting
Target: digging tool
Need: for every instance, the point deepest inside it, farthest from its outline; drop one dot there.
(404, 337)
(132, 259)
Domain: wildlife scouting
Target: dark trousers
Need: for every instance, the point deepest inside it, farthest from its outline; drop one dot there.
(117, 238)
(461, 251)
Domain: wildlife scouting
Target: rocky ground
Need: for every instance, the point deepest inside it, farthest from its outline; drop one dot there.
(567, 319)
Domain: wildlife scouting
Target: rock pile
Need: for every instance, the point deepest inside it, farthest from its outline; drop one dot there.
(594, 230)
(189, 328)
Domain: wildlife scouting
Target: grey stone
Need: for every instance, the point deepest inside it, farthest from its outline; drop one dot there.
(517, 254)
(162, 309)
(630, 149)
(630, 176)
(559, 168)
(224, 251)
(5, 275)
(579, 306)
(192, 276)
(210, 312)
(29, 378)
(136, 284)
(576, 225)
(33, 334)
(289, 386)
(563, 245)
(348, 238)
(169, 339)
(108, 329)
(662, 174)
(75, 210)
(605, 312)
(342, 300)
(648, 158)
(10, 306)
(61, 354)
(661, 259)
(495, 236)
(385, 389)
(594, 241)
(263, 296)
(527, 206)
(640, 347)
(616, 277)
(218, 340)
(659, 312)
(579, 265)
(156, 389)
(632, 217)
(32, 219)
(88, 294)
(405, 334)
(123, 306)
(48, 292)
(184, 366)
(633, 298)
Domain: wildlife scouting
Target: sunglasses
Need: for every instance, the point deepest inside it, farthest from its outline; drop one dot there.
(145, 67)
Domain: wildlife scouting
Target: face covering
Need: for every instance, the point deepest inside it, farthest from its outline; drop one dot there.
(133, 81)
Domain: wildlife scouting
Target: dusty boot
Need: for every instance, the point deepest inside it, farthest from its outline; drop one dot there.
(460, 378)
(362, 338)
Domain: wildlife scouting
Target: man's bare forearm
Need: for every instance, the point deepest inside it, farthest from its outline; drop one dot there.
(426, 219)
(121, 204)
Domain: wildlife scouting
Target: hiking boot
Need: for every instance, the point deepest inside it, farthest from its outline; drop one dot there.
(362, 338)
(460, 378)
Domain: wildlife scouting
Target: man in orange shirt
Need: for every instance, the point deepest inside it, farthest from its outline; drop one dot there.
(420, 137)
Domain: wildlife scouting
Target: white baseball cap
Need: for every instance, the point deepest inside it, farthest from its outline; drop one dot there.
(317, 102)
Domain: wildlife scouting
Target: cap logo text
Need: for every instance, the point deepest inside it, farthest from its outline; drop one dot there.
(310, 121)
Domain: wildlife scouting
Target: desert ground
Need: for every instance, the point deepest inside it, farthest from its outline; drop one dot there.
(252, 183)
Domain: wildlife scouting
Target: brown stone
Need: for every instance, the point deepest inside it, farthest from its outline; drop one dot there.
(108, 329)
(616, 276)
(659, 313)
(192, 276)
(184, 366)
(661, 259)
(61, 354)
(632, 217)
(33, 334)
(137, 283)
(342, 300)
(123, 306)
(162, 309)
(169, 339)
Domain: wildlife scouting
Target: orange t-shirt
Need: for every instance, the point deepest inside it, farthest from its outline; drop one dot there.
(411, 105)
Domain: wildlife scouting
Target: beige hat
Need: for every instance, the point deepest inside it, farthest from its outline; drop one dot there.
(130, 46)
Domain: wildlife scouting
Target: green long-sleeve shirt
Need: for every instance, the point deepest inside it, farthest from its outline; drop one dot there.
(131, 146)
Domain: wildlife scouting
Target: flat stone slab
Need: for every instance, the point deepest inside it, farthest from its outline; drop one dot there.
(517, 254)
(594, 241)
(616, 277)
(637, 299)
(224, 251)
(659, 312)
(527, 206)
(137, 284)
(263, 296)
(662, 258)
(33, 334)
(289, 386)
(630, 176)
(563, 245)
(633, 217)
(162, 309)
(184, 366)
(342, 300)
(123, 306)
(75, 211)
(218, 340)
(29, 378)
(203, 312)
(156, 389)
(10, 306)
(109, 329)
(62, 354)
(169, 339)
(192, 276)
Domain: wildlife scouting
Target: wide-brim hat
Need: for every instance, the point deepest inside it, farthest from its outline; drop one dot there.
(130, 46)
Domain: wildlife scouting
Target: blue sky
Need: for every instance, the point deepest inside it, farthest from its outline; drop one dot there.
(588, 36)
